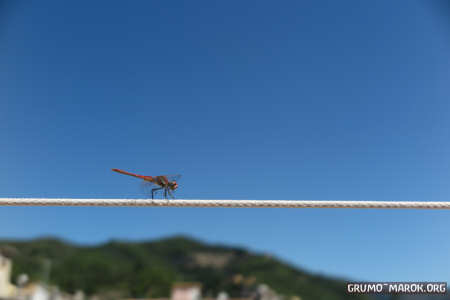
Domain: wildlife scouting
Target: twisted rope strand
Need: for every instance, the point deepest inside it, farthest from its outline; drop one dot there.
(225, 203)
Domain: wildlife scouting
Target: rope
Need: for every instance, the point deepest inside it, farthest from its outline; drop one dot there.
(224, 203)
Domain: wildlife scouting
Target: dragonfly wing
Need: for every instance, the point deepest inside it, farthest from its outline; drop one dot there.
(175, 177)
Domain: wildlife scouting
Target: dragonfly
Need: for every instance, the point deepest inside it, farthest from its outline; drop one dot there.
(168, 183)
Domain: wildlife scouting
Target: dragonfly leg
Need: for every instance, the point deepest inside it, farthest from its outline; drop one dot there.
(154, 190)
(171, 195)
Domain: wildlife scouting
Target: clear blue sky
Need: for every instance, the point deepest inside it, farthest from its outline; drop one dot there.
(318, 100)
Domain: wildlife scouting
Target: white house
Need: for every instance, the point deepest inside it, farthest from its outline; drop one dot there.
(34, 291)
(186, 291)
(7, 289)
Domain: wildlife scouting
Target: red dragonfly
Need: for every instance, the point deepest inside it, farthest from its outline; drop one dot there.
(167, 183)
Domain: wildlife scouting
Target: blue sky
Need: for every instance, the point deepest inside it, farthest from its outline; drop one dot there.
(317, 100)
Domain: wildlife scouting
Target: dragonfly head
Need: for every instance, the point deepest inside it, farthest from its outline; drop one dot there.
(173, 185)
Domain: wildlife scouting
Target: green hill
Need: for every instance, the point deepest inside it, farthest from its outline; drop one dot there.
(149, 268)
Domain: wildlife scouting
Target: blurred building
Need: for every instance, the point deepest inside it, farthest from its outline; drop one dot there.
(7, 289)
(79, 295)
(222, 296)
(186, 291)
(57, 294)
(264, 292)
(35, 291)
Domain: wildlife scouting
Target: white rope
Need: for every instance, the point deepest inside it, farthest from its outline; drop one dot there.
(224, 203)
